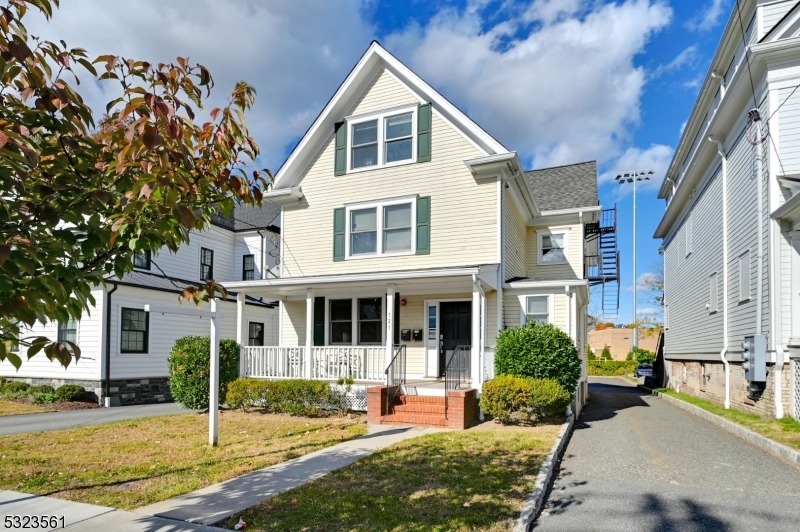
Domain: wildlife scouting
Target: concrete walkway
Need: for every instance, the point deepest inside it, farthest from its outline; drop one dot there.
(637, 463)
(77, 418)
(215, 503)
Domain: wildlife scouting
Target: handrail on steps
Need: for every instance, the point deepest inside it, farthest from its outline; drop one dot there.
(395, 374)
(456, 371)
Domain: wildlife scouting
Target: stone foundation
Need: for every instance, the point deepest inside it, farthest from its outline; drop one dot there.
(688, 377)
(129, 391)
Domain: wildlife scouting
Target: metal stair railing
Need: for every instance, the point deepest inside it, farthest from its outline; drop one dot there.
(395, 375)
(456, 371)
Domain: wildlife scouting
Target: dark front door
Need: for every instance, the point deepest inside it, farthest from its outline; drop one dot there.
(455, 328)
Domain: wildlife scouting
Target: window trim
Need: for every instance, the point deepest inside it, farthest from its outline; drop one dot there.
(550, 307)
(148, 258)
(381, 117)
(713, 293)
(379, 206)
(245, 270)
(354, 319)
(541, 233)
(146, 350)
(263, 333)
(211, 269)
(745, 297)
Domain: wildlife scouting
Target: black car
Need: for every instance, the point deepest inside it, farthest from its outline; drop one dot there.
(643, 370)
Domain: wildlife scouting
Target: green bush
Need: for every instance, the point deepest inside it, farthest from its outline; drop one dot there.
(590, 353)
(508, 398)
(641, 356)
(15, 389)
(610, 368)
(70, 392)
(189, 367)
(43, 398)
(297, 397)
(42, 388)
(606, 354)
(2, 383)
(541, 351)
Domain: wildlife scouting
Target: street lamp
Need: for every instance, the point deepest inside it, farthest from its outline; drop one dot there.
(633, 177)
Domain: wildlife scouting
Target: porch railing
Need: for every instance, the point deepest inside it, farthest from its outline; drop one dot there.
(395, 374)
(456, 372)
(361, 363)
(274, 362)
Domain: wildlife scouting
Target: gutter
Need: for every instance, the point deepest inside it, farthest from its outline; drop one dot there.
(724, 351)
(107, 394)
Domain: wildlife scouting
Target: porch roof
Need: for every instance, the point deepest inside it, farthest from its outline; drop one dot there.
(423, 281)
(789, 211)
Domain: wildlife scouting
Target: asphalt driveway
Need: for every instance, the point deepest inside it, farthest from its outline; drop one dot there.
(637, 463)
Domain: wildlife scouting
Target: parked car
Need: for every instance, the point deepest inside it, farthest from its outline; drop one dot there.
(643, 370)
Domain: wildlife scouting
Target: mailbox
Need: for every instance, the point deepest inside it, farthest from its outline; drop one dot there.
(417, 335)
(405, 335)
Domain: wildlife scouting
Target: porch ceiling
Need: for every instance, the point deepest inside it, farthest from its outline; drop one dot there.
(407, 282)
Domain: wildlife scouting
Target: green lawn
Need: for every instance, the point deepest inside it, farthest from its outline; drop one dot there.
(470, 480)
(10, 408)
(128, 464)
(785, 431)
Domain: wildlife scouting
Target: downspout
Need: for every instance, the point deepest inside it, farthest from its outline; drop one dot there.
(108, 343)
(760, 266)
(723, 353)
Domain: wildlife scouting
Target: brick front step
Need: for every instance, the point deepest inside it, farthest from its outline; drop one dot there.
(414, 419)
(427, 399)
(418, 408)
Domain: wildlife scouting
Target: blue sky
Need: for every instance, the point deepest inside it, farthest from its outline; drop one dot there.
(559, 81)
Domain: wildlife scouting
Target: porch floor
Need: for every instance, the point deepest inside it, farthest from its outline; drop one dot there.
(428, 386)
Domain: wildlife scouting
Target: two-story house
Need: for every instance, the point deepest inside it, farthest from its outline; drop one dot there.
(408, 231)
(125, 349)
(730, 230)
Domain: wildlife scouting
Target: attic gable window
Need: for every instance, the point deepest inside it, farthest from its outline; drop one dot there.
(385, 138)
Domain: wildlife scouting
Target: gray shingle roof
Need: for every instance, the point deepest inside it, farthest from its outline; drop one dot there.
(564, 187)
(249, 217)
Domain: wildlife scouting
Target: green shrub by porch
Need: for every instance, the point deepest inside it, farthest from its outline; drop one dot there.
(296, 397)
(70, 392)
(189, 368)
(508, 398)
(611, 368)
(541, 351)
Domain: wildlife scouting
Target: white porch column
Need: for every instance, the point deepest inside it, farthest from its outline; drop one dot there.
(309, 332)
(241, 333)
(476, 333)
(390, 290)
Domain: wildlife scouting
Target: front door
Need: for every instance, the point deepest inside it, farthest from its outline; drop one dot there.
(455, 328)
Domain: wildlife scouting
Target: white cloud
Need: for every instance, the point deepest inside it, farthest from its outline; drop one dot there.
(294, 53)
(656, 158)
(642, 285)
(708, 17)
(648, 311)
(566, 91)
(687, 57)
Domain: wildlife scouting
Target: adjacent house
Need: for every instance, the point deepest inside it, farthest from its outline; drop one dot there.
(125, 349)
(730, 230)
(410, 237)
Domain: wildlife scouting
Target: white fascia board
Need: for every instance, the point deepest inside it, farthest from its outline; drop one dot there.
(508, 168)
(356, 82)
(285, 196)
(790, 210)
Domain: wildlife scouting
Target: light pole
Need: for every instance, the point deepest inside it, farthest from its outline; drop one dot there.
(633, 177)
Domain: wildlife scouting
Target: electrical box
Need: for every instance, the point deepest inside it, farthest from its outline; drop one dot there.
(755, 358)
(405, 335)
(417, 335)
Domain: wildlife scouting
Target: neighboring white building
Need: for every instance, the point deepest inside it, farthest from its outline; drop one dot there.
(730, 230)
(124, 350)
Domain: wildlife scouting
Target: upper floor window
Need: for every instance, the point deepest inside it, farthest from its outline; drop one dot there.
(537, 308)
(68, 332)
(206, 264)
(382, 139)
(141, 259)
(553, 247)
(248, 267)
(341, 321)
(383, 228)
(370, 321)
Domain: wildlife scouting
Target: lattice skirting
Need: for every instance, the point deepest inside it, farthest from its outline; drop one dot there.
(795, 397)
(357, 398)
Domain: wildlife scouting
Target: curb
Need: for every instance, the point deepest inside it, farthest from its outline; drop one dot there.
(535, 501)
(774, 448)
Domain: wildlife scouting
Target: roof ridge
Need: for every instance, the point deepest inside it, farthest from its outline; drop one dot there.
(562, 166)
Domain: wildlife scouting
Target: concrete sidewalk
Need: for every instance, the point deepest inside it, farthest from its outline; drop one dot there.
(218, 502)
(86, 517)
(78, 418)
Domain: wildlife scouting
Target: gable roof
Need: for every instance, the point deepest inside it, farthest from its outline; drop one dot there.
(375, 58)
(564, 187)
(250, 218)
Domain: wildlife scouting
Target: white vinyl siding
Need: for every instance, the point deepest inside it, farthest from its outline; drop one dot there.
(687, 233)
(745, 290)
(573, 269)
(773, 13)
(713, 293)
(515, 308)
(514, 238)
(789, 130)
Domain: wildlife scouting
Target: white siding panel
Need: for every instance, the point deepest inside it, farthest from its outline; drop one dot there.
(572, 270)
(789, 130)
(515, 239)
(294, 323)
(383, 92)
(185, 263)
(773, 13)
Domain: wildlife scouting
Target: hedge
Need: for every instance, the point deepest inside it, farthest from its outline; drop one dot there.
(610, 368)
(190, 365)
(70, 392)
(508, 398)
(296, 397)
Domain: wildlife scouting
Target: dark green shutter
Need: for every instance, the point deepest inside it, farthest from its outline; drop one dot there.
(319, 321)
(338, 234)
(340, 160)
(424, 133)
(424, 225)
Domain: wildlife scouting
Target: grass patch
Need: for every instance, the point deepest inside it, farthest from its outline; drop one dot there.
(10, 408)
(785, 431)
(476, 479)
(129, 464)
(630, 378)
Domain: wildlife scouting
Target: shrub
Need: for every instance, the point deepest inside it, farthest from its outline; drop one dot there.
(42, 388)
(43, 398)
(508, 398)
(189, 367)
(2, 383)
(15, 389)
(541, 351)
(70, 392)
(590, 353)
(641, 356)
(297, 397)
(606, 354)
(611, 368)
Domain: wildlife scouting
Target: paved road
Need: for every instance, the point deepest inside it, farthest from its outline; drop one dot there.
(637, 463)
(77, 418)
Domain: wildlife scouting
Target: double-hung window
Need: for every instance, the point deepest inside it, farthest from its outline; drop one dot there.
(141, 259)
(384, 228)
(370, 322)
(537, 308)
(341, 321)
(365, 144)
(68, 331)
(382, 139)
(248, 267)
(399, 135)
(255, 334)
(206, 264)
(135, 330)
(553, 247)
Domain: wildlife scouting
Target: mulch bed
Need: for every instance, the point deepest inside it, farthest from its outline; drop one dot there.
(60, 407)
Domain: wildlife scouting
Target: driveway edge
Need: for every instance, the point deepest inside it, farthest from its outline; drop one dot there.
(772, 447)
(535, 501)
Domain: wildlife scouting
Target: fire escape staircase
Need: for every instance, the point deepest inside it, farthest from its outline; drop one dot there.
(602, 268)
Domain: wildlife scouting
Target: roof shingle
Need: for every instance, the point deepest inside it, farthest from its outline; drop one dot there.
(564, 187)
